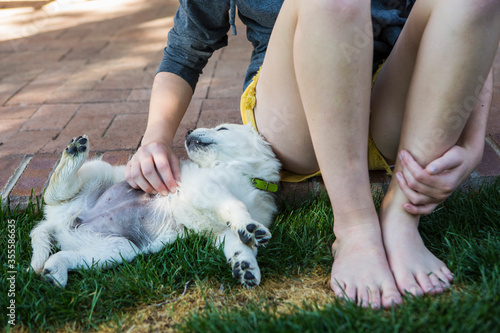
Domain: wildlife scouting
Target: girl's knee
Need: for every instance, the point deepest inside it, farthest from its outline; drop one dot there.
(483, 9)
(480, 10)
(476, 9)
(343, 10)
(486, 5)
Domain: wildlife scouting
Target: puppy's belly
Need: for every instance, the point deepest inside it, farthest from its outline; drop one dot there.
(120, 211)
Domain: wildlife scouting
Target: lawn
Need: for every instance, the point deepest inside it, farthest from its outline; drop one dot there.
(188, 285)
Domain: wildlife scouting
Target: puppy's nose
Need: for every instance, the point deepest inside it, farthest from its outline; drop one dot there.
(188, 132)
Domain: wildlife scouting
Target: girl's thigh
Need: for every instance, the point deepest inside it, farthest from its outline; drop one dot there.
(279, 113)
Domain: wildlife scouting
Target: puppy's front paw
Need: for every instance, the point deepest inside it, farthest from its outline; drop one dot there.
(54, 279)
(254, 233)
(55, 273)
(246, 270)
(77, 146)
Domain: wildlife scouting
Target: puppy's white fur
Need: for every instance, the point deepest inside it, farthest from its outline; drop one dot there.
(98, 220)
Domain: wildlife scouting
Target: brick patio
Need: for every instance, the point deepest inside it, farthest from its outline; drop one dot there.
(74, 67)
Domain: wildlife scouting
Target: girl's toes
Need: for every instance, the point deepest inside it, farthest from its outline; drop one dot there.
(407, 284)
(390, 297)
(363, 298)
(447, 273)
(374, 299)
(338, 287)
(425, 283)
(436, 282)
(350, 294)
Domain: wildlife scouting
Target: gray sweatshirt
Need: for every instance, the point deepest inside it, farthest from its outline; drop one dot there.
(201, 27)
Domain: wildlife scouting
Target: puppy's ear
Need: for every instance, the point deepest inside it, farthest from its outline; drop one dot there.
(250, 127)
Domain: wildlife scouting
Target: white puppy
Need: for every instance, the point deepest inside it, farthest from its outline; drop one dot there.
(98, 220)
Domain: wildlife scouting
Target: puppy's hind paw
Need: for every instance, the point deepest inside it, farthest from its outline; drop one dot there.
(245, 270)
(58, 279)
(77, 146)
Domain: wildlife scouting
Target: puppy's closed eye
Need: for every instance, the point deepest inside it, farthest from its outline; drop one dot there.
(222, 129)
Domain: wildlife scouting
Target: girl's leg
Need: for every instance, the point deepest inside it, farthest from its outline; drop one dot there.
(444, 52)
(313, 107)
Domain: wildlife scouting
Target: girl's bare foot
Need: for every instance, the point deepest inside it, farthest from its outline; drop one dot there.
(416, 270)
(360, 271)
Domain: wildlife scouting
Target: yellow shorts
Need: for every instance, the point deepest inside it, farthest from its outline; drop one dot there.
(375, 159)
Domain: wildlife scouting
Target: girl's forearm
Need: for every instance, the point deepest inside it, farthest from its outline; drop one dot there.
(170, 98)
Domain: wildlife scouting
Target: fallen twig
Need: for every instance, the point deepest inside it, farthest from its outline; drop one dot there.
(176, 299)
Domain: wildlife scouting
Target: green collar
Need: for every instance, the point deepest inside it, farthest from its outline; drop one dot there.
(263, 185)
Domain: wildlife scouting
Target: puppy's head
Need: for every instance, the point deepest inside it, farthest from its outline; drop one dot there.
(237, 146)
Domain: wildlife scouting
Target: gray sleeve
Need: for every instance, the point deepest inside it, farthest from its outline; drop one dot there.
(200, 28)
(388, 18)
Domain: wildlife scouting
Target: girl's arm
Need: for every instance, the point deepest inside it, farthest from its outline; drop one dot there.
(429, 186)
(154, 168)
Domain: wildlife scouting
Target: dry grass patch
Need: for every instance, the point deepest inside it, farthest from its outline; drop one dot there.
(284, 295)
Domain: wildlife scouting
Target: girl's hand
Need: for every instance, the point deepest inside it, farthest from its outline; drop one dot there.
(154, 168)
(427, 188)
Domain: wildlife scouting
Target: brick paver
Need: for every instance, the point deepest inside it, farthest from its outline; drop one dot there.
(74, 67)
(50, 117)
(33, 180)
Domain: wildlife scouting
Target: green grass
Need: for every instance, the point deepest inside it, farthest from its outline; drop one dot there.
(465, 234)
